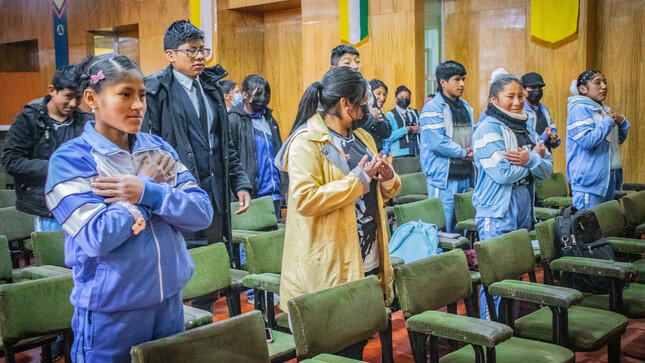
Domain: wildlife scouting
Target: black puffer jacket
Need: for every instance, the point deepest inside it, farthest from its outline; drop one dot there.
(28, 146)
(242, 136)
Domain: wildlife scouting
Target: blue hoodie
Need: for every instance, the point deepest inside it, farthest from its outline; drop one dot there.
(113, 268)
(437, 146)
(496, 176)
(588, 145)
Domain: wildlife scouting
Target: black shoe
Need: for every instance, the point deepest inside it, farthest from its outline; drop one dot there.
(58, 349)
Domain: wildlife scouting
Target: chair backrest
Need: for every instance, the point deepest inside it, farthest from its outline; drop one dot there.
(49, 248)
(260, 215)
(432, 283)
(554, 186)
(549, 247)
(5, 180)
(611, 218)
(508, 256)
(406, 165)
(464, 208)
(35, 307)
(5, 260)
(634, 205)
(7, 198)
(333, 319)
(212, 271)
(264, 252)
(237, 339)
(15, 225)
(413, 184)
(428, 211)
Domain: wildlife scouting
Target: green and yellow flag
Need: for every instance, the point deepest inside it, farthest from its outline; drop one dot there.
(554, 21)
(353, 20)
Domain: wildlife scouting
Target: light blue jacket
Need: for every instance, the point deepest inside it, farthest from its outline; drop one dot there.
(587, 146)
(399, 132)
(549, 121)
(113, 268)
(437, 146)
(496, 176)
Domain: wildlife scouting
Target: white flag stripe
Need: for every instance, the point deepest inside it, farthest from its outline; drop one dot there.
(354, 18)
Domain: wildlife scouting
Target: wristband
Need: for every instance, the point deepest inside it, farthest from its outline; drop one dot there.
(139, 222)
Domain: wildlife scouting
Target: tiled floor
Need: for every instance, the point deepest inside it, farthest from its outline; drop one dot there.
(633, 341)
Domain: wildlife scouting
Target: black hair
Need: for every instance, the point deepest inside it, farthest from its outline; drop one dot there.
(180, 32)
(400, 89)
(585, 77)
(338, 52)
(227, 86)
(106, 70)
(255, 81)
(431, 95)
(68, 77)
(324, 95)
(447, 70)
(377, 83)
(500, 82)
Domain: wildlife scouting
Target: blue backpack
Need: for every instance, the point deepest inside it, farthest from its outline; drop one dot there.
(414, 241)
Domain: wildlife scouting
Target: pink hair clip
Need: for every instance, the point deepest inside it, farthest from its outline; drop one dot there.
(99, 76)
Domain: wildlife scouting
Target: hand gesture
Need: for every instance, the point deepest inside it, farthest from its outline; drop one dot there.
(519, 157)
(245, 200)
(469, 153)
(160, 169)
(119, 187)
(385, 171)
(617, 118)
(370, 168)
(415, 129)
(540, 148)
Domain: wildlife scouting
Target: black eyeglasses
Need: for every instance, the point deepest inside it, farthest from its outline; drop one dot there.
(192, 52)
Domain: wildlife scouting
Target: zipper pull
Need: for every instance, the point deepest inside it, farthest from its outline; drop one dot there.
(573, 239)
(47, 134)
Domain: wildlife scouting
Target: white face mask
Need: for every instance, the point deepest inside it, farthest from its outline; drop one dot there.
(237, 99)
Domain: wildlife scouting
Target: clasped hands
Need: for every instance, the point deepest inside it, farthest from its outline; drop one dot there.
(378, 168)
(521, 156)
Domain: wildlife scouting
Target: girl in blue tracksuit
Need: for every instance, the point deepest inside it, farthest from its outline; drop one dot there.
(594, 133)
(123, 199)
(509, 159)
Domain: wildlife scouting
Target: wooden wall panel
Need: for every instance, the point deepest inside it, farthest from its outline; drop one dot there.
(619, 56)
(320, 34)
(283, 64)
(12, 101)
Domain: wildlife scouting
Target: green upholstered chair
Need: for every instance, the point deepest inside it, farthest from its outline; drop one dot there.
(553, 192)
(49, 248)
(434, 282)
(34, 313)
(329, 358)
(330, 320)
(17, 227)
(633, 298)
(465, 213)
(212, 274)
(429, 211)
(238, 339)
(6, 272)
(7, 198)
(505, 259)
(6, 181)
(406, 165)
(634, 205)
(413, 188)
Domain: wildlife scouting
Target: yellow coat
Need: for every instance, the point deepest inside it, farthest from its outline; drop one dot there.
(321, 247)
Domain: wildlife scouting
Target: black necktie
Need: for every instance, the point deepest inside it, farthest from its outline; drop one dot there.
(203, 118)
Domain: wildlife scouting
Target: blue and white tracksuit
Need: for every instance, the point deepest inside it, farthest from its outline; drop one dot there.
(589, 151)
(126, 287)
(437, 148)
(399, 133)
(501, 205)
(549, 120)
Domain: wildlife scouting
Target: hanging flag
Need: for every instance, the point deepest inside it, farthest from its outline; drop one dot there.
(203, 15)
(60, 33)
(554, 21)
(353, 20)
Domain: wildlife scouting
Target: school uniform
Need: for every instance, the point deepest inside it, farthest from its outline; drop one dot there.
(402, 142)
(126, 286)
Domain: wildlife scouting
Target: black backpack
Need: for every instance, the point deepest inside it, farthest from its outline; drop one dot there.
(578, 234)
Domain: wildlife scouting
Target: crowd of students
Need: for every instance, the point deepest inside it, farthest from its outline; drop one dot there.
(151, 170)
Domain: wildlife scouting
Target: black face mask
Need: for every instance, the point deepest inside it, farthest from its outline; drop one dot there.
(258, 103)
(359, 122)
(403, 102)
(534, 96)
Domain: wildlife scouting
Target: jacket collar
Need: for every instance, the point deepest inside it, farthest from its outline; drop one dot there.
(164, 78)
(317, 130)
(104, 146)
(239, 110)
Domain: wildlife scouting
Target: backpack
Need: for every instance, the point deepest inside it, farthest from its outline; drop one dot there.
(578, 234)
(414, 240)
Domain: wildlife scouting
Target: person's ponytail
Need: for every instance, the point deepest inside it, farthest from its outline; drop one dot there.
(308, 105)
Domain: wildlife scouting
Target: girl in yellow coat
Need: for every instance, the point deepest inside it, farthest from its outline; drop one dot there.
(336, 228)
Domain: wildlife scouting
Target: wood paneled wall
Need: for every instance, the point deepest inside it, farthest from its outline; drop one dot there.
(484, 35)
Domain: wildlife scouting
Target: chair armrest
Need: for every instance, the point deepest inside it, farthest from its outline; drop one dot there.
(239, 234)
(461, 328)
(40, 272)
(592, 266)
(627, 245)
(266, 282)
(557, 296)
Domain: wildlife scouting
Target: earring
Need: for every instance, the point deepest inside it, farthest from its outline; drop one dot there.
(347, 108)
(93, 110)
